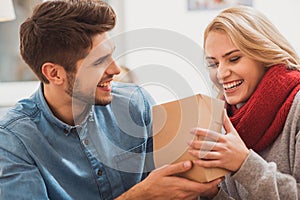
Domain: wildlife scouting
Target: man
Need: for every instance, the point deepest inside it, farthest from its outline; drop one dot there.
(81, 136)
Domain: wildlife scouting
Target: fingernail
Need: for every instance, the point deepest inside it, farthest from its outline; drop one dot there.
(193, 131)
(187, 164)
(198, 129)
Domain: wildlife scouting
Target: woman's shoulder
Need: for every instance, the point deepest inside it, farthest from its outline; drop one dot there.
(296, 104)
(293, 118)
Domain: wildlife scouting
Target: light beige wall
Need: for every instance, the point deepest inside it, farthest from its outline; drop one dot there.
(173, 15)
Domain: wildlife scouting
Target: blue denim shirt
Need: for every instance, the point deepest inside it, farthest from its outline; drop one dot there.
(42, 157)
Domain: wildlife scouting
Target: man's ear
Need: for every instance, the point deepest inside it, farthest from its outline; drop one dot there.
(54, 73)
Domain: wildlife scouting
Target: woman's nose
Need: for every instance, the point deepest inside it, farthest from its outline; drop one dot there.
(223, 72)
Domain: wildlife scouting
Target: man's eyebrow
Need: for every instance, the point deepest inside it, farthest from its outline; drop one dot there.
(225, 55)
(103, 58)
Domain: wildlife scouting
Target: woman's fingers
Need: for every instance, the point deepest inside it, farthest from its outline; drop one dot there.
(228, 126)
(205, 140)
(206, 134)
(210, 155)
(208, 163)
(204, 145)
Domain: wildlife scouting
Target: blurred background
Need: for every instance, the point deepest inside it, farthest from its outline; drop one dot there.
(181, 18)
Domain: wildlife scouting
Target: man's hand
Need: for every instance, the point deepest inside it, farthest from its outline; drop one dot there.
(163, 184)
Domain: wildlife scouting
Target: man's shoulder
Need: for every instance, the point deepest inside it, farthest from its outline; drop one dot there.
(132, 101)
(22, 112)
(131, 92)
(120, 88)
(18, 130)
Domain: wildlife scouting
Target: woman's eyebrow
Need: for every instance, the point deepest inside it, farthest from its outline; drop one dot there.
(230, 52)
(225, 55)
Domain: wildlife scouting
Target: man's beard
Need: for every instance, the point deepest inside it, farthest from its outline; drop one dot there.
(82, 96)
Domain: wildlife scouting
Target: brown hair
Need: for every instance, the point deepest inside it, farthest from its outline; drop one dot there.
(61, 32)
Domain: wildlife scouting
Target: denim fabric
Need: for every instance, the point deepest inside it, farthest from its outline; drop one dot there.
(42, 157)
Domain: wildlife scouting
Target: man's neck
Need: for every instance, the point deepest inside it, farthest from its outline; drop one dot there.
(65, 108)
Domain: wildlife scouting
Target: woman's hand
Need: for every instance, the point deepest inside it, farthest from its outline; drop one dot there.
(216, 150)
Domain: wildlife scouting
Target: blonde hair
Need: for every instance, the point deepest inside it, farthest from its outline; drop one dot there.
(255, 36)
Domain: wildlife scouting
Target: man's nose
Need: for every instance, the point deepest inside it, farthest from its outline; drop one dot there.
(113, 69)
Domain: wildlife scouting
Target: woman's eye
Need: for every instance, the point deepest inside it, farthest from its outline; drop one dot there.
(234, 59)
(212, 65)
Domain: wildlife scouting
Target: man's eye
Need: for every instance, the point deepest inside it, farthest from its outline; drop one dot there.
(235, 59)
(102, 60)
(99, 62)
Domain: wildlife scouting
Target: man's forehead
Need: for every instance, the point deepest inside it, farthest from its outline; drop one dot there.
(101, 46)
(102, 40)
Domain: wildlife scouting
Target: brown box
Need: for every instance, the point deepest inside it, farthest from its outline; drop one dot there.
(172, 123)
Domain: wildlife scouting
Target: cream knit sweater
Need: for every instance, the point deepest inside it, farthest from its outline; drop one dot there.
(271, 174)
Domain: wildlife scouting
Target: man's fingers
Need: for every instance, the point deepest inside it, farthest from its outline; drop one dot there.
(174, 169)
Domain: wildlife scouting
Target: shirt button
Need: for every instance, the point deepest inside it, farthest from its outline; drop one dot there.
(91, 119)
(99, 173)
(86, 141)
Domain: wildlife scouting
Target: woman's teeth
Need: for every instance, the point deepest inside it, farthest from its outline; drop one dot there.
(233, 84)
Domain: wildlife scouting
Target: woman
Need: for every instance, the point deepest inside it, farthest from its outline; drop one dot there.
(259, 74)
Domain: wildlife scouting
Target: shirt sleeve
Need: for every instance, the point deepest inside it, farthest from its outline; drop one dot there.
(262, 180)
(19, 177)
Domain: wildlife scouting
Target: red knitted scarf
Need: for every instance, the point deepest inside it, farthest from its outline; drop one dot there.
(261, 119)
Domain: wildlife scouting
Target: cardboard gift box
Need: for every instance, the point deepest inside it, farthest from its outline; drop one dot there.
(172, 123)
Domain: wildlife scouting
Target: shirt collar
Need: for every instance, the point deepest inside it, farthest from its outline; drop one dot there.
(43, 106)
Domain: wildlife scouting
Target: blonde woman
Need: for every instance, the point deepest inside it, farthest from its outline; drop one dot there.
(258, 73)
